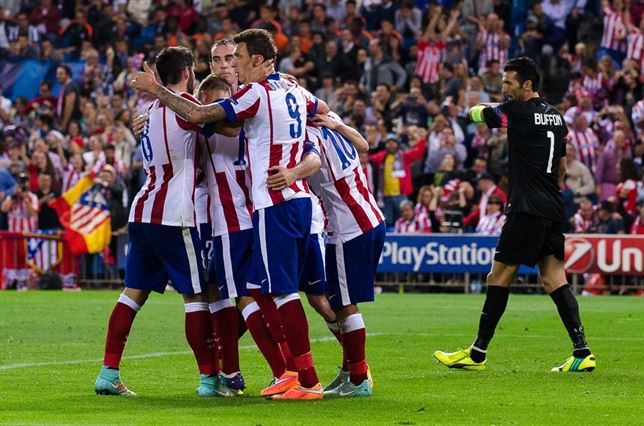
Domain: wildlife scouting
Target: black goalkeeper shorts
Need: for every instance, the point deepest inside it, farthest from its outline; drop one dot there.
(526, 239)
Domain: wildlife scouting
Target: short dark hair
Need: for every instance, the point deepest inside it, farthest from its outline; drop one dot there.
(67, 68)
(212, 82)
(526, 69)
(224, 42)
(171, 61)
(258, 42)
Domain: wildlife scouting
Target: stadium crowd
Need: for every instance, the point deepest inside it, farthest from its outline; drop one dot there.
(404, 73)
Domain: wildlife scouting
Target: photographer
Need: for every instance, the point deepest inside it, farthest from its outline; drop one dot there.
(22, 207)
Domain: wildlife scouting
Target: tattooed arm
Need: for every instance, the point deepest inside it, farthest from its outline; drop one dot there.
(189, 111)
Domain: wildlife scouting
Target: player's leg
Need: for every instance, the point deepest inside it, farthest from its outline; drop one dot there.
(553, 276)
(227, 257)
(274, 323)
(143, 273)
(313, 283)
(520, 242)
(281, 229)
(178, 248)
(350, 281)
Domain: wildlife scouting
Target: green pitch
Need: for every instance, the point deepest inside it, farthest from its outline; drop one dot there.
(51, 346)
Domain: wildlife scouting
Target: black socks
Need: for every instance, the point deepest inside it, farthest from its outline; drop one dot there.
(496, 299)
(569, 313)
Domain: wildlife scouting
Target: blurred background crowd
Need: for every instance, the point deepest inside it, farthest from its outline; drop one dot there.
(403, 72)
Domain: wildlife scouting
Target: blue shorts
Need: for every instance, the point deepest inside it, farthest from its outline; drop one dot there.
(158, 253)
(230, 261)
(351, 268)
(313, 280)
(280, 242)
(205, 235)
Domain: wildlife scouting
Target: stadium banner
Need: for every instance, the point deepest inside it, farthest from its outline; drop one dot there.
(85, 215)
(605, 254)
(470, 253)
(456, 253)
(23, 78)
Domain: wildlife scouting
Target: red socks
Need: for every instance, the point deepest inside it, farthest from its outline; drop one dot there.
(335, 329)
(118, 329)
(273, 321)
(354, 339)
(200, 337)
(226, 323)
(297, 335)
(264, 339)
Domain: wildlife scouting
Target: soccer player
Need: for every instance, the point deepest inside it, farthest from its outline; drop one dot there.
(163, 236)
(532, 233)
(274, 114)
(356, 238)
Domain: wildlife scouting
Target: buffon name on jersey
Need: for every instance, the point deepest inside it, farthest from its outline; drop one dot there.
(547, 119)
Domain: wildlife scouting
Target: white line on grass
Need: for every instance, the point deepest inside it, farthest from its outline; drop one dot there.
(143, 356)
(318, 340)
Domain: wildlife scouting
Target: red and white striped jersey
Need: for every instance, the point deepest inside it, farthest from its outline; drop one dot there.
(274, 112)
(594, 84)
(580, 223)
(342, 186)
(428, 64)
(169, 146)
(614, 29)
(226, 167)
(635, 46)
(418, 224)
(492, 49)
(70, 178)
(637, 228)
(490, 224)
(586, 145)
(317, 215)
(18, 215)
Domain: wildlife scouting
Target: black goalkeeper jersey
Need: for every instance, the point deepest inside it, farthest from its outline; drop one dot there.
(537, 140)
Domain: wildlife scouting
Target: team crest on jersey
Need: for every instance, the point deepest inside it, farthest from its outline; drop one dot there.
(43, 251)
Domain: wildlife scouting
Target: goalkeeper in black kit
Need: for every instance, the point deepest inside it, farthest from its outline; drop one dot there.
(532, 233)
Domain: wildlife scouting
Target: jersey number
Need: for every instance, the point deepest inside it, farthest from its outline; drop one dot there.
(206, 254)
(345, 149)
(294, 112)
(551, 136)
(146, 145)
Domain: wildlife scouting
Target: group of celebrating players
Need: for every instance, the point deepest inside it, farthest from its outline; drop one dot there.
(243, 181)
(250, 196)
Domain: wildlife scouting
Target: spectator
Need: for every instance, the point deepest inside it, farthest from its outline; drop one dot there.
(493, 220)
(606, 175)
(447, 145)
(21, 207)
(485, 184)
(47, 216)
(583, 221)
(427, 203)
(637, 228)
(578, 178)
(75, 33)
(608, 221)
(68, 104)
(409, 222)
(394, 173)
(381, 69)
(584, 140)
(46, 16)
(492, 41)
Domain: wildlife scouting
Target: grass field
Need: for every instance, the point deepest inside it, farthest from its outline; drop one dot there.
(51, 346)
